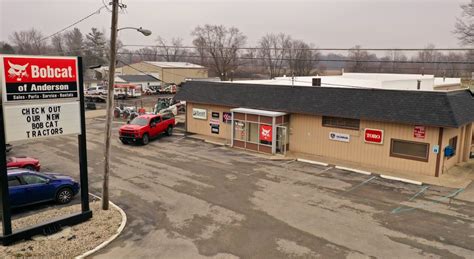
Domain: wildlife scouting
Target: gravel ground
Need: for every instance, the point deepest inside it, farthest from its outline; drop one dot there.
(71, 241)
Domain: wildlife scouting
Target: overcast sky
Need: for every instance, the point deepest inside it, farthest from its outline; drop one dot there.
(325, 23)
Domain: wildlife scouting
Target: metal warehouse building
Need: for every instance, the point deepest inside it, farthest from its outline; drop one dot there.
(416, 131)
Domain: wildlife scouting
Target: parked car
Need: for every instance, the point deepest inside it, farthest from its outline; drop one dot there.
(24, 162)
(29, 187)
(145, 127)
(100, 90)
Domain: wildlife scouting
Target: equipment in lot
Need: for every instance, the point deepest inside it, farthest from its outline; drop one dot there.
(29, 187)
(145, 127)
(129, 112)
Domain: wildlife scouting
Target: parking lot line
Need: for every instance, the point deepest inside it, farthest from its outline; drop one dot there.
(396, 210)
(360, 184)
(446, 197)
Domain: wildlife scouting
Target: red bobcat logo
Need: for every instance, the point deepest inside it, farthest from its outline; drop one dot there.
(18, 71)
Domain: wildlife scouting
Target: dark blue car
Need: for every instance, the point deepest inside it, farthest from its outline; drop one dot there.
(29, 187)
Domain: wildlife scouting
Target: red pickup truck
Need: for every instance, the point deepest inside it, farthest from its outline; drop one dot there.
(145, 127)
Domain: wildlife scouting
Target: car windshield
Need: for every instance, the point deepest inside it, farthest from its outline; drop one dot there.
(139, 121)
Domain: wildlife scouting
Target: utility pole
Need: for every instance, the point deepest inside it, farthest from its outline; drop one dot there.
(110, 105)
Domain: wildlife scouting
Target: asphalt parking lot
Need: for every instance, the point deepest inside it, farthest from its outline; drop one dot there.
(189, 199)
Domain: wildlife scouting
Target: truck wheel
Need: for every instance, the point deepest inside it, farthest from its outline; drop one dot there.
(169, 131)
(124, 141)
(145, 139)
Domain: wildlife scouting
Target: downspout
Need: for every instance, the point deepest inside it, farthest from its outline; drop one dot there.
(438, 157)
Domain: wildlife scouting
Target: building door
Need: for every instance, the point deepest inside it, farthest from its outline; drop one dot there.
(282, 140)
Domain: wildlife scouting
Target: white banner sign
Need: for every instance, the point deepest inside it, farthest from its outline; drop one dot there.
(200, 114)
(339, 137)
(23, 122)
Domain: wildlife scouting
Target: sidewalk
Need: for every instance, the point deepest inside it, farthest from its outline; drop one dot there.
(457, 177)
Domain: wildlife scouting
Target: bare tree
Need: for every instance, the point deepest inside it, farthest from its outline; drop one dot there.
(273, 50)
(173, 52)
(359, 59)
(29, 42)
(148, 54)
(426, 60)
(222, 45)
(301, 58)
(74, 41)
(58, 45)
(465, 24)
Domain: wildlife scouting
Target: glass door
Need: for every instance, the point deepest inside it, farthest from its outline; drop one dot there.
(282, 140)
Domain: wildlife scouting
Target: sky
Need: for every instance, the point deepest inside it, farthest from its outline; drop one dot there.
(324, 23)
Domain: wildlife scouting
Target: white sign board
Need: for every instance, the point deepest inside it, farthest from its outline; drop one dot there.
(339, 137)
(200, 114)
(42, 120)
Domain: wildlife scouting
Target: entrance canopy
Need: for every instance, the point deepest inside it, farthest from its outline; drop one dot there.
(259, 130)
(258, 112)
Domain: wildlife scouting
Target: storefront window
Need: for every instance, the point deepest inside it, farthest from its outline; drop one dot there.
(252, 132)
(409, 149)
(239, 130)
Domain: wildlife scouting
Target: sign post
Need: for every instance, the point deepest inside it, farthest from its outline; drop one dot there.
(41, 97)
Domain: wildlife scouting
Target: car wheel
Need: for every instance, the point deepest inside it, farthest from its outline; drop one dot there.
(64, 196)
(124, 141)
(145, 139)
(169, 131)
(30, 167)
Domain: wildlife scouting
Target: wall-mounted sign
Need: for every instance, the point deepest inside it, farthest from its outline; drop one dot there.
(374, 136)
(227, 117)
(214, 128)
(41, 120)
(339, 137)
(200, 114)
(419, 132)
(215, 115)
(266, 133)
(29, 78)
(214, 121)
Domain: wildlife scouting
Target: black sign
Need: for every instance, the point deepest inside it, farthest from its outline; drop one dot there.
(214, 129)
(215, 115)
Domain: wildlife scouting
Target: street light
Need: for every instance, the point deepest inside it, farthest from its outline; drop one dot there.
(110, 99)
(143, 31)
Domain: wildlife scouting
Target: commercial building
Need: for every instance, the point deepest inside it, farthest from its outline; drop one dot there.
(416, 131)
(167, 72)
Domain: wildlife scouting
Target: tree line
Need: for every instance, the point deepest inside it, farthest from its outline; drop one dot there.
(222, 49)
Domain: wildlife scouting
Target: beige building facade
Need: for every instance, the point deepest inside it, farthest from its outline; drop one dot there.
(391, 135)
(168, 72)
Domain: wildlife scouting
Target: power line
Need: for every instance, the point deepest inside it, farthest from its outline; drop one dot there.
(78, 21)
(312, 49)
(315, 60)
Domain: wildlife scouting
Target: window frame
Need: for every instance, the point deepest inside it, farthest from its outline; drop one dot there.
(339, 126)
(398, 155)
(455, 146)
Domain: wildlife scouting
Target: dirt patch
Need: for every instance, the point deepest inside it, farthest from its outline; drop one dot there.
(71, 241)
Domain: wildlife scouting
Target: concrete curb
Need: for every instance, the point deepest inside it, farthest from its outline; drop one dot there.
(215, 143)
(353, 170)
(311, 162)
(400, 179)
(112, 238)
